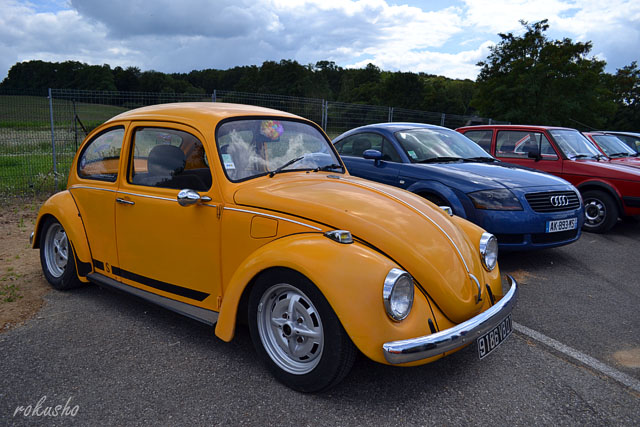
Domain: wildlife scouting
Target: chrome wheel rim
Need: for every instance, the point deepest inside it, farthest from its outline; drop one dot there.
(290, 329)
(56, 250)
(594, 212)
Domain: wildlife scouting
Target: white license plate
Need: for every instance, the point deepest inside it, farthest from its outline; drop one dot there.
(561, 225)
(496, 336)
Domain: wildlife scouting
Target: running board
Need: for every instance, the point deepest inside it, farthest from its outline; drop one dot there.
(203, 315)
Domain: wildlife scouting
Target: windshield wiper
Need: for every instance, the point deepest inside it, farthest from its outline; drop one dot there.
(289, 163)
(619, 155)
(482, 159)
(579, 156)
(328, 167)
(441, 159)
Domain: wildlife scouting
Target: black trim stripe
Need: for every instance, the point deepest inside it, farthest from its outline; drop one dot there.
(163, 286)
(153, 283)
(98, 264)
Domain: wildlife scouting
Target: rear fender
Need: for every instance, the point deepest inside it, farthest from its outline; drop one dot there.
(63, 208)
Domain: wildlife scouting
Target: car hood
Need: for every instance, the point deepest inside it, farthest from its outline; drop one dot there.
(470, 177)
(602, 169)
(634, 162)
(416, 234)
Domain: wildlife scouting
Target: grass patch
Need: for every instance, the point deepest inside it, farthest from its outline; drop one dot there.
(9, 292)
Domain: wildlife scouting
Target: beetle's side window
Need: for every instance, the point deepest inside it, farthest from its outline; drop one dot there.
(101, 157)
(518, 144)
(481, 137)
(169, 158)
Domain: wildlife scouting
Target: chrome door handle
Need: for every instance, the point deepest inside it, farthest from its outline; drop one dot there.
(125, 202)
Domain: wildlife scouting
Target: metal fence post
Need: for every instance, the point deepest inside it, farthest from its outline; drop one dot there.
(53, 141)
(442, 119)
(390, 114)
(490, 121)
(325, 111)
(75, 124)
(214, 96)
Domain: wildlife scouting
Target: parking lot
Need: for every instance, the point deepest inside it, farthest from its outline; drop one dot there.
(574, 359)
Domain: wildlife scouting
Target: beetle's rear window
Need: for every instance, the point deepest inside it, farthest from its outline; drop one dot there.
(255, 147)
(101, 156)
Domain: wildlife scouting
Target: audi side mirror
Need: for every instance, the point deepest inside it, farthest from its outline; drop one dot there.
(373, 155)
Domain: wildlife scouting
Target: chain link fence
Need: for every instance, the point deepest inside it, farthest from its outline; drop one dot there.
(40, 131)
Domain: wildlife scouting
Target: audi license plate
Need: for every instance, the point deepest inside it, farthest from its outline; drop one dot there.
(492, 339)
(562, 225)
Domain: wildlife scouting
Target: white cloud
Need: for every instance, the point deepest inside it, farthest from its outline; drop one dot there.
(179, 36)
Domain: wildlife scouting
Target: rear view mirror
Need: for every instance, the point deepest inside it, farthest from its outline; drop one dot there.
(534, 153)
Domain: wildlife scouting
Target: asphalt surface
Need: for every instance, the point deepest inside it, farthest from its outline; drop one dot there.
(121, 361)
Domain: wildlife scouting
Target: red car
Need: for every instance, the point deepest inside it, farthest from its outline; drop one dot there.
(616, 150)
(609, 190)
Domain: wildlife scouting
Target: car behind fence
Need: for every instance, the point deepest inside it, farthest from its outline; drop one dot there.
(40, 131)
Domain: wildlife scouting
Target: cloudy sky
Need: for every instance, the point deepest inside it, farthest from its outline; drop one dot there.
(437, 37)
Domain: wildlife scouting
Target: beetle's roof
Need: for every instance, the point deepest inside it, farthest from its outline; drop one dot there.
(199, 110)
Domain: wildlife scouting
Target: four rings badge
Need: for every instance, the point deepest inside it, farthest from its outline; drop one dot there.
(559, 201)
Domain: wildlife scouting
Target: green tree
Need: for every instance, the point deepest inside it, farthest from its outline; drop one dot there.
(531, 79)
(404, 90)
(625, 85)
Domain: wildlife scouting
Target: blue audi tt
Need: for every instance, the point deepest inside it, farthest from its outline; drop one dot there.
(524, 209)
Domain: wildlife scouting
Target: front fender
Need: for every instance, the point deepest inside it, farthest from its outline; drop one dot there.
(440, 190)
(351, 278)
(62, 206)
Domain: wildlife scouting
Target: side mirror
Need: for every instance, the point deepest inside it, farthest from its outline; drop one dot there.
(372, 155)
(534, 153)
(188, 197)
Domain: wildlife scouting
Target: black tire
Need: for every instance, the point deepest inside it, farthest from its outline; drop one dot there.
(600, 211)
(286, 310)
(435, 200)
(57, 257)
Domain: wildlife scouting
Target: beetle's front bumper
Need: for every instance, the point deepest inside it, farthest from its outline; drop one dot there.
(428, 346)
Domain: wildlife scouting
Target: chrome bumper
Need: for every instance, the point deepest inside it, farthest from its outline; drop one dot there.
(450, 339)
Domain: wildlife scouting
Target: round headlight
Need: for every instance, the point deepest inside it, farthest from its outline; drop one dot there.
(397, 294)
(489, 251)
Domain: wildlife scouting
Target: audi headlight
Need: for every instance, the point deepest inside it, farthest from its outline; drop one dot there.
(397, 294)
(489, 251)
(501, 200)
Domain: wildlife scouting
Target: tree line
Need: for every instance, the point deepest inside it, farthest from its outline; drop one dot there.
(526, 79)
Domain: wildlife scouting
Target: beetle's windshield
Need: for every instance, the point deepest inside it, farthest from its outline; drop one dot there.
(574, 145)
(429, 145)
(613, 147)
(253, 147)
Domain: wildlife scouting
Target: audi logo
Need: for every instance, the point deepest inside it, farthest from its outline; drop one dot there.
(559, 201)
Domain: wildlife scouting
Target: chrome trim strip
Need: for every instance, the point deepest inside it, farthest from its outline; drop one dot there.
(148, 196)
(475, 280)
(420, 212)
(203, 315)
(132, 194)
(86, 187)
(275, 217)
(432, 345)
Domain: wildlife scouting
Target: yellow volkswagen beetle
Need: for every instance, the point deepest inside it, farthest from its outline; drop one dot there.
(227, 212)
